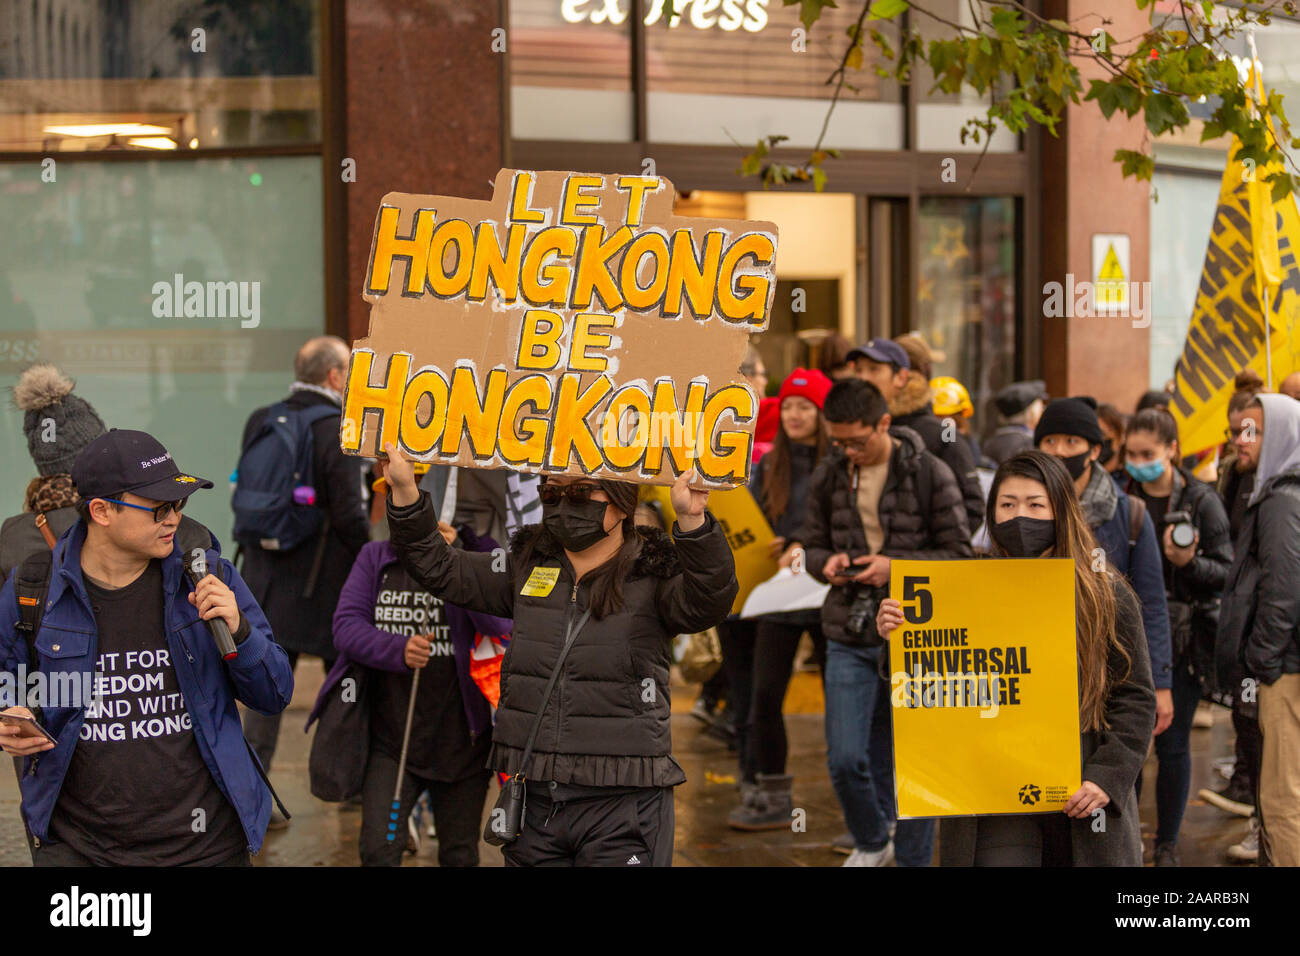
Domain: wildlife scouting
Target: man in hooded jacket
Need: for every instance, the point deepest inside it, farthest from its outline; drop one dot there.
(1258, 644)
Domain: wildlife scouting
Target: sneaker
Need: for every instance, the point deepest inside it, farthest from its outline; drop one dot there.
(1224, 767)
(1247, 851)
(1166, 854)
(277, 821)
(770, 806)
(1234, 798)
(1203, 719)
(843, 844)
(881, 857)
(702, 711)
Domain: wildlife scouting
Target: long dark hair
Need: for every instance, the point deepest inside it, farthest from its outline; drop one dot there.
(1095, 633)
(777, 471)
(607, 580)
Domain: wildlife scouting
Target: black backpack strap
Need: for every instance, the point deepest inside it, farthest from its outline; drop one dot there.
(1137, 511)
(31, 585)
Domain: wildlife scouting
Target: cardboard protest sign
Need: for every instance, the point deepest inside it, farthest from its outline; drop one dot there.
(984, 686)
(569, 325)
(748, 534)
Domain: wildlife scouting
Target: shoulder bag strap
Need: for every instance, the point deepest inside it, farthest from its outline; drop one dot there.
(569, 638)
(43, 526)
(1137, 510)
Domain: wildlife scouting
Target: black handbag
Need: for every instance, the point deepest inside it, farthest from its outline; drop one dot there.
(507, 817)
(340, 750)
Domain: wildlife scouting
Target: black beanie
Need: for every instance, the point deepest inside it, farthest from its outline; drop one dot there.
(1070, 416)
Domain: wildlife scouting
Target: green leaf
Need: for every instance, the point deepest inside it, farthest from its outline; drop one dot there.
(885, 9)
(1007, 22)
(1135, 164)
(810, 10)
(819, 179)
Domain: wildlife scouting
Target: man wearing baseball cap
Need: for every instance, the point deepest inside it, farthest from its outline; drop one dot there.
(888, 365)
(158, 750)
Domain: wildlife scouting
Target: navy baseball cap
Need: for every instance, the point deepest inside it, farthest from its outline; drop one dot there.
(122, 460)
(882, 350)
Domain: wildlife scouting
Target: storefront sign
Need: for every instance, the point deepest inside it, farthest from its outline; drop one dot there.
(729, 15)
(571, 324)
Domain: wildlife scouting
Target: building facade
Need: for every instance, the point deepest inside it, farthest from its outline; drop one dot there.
(190, 189)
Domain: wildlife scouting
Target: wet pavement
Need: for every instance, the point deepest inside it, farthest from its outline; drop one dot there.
(323, 835)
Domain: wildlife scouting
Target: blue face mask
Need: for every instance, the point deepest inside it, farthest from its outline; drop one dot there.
(1151, 471)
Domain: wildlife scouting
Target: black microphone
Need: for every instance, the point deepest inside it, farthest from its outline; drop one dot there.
(194, 540)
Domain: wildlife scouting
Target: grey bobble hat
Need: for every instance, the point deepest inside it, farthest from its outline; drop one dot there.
(57, 423)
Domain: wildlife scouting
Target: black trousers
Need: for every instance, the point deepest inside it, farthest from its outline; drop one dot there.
(457, 814)
(774, 648)
(1249, 746)
(737, 640)
(633, 828)
(60, 854)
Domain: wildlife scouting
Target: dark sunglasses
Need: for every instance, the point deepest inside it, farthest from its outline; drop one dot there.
(160, 512)
(552, 494)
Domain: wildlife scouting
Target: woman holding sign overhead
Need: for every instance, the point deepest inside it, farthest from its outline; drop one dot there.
(582, 726)
(1033, 512)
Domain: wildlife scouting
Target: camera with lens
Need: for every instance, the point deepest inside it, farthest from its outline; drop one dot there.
(861, 620)
(1184, 532)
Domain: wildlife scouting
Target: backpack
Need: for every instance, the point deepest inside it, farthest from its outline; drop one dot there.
(277, 459)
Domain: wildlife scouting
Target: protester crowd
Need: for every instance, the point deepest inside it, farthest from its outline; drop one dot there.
(496, 637)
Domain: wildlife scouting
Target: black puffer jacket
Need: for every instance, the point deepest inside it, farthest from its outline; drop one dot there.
(1259, 618)
(1200, 581)
(607, 721)
(920, 530)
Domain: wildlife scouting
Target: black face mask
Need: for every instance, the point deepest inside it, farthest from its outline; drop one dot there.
(1023, 537)
(576, 527)
(1077, 464)
(1107, 452)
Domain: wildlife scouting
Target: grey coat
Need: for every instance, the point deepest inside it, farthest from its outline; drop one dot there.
(1112, 759)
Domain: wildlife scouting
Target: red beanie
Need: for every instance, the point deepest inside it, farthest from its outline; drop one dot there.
(807, 383)
(769, 420)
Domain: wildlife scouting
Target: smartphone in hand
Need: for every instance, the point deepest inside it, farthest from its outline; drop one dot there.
(28, 725)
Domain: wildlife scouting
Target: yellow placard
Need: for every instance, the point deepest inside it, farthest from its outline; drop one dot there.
(984, 687)
(541, 582)
(747, 531)
(572, 324)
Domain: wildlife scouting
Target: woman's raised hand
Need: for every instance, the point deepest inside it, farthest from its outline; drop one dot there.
(400, 475)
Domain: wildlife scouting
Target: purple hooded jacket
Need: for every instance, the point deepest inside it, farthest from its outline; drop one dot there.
(360, 643)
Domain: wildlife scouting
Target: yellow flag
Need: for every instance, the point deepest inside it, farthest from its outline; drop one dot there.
(1250, 261)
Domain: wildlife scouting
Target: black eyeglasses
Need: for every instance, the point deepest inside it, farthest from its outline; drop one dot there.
(552, 494)
(160, 512)
(858, 445)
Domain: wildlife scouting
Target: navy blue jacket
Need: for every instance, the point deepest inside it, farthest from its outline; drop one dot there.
(67, 642)
(1145, 572)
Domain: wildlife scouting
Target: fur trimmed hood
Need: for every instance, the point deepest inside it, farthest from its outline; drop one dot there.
(915, 396)
(658, 557)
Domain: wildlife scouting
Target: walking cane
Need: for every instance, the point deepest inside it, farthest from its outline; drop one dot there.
(394, 814)
(448, 511)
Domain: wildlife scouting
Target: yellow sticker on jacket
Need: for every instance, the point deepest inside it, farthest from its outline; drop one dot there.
(541, 582)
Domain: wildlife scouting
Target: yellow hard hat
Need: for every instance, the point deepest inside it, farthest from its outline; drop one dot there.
(951, 397)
